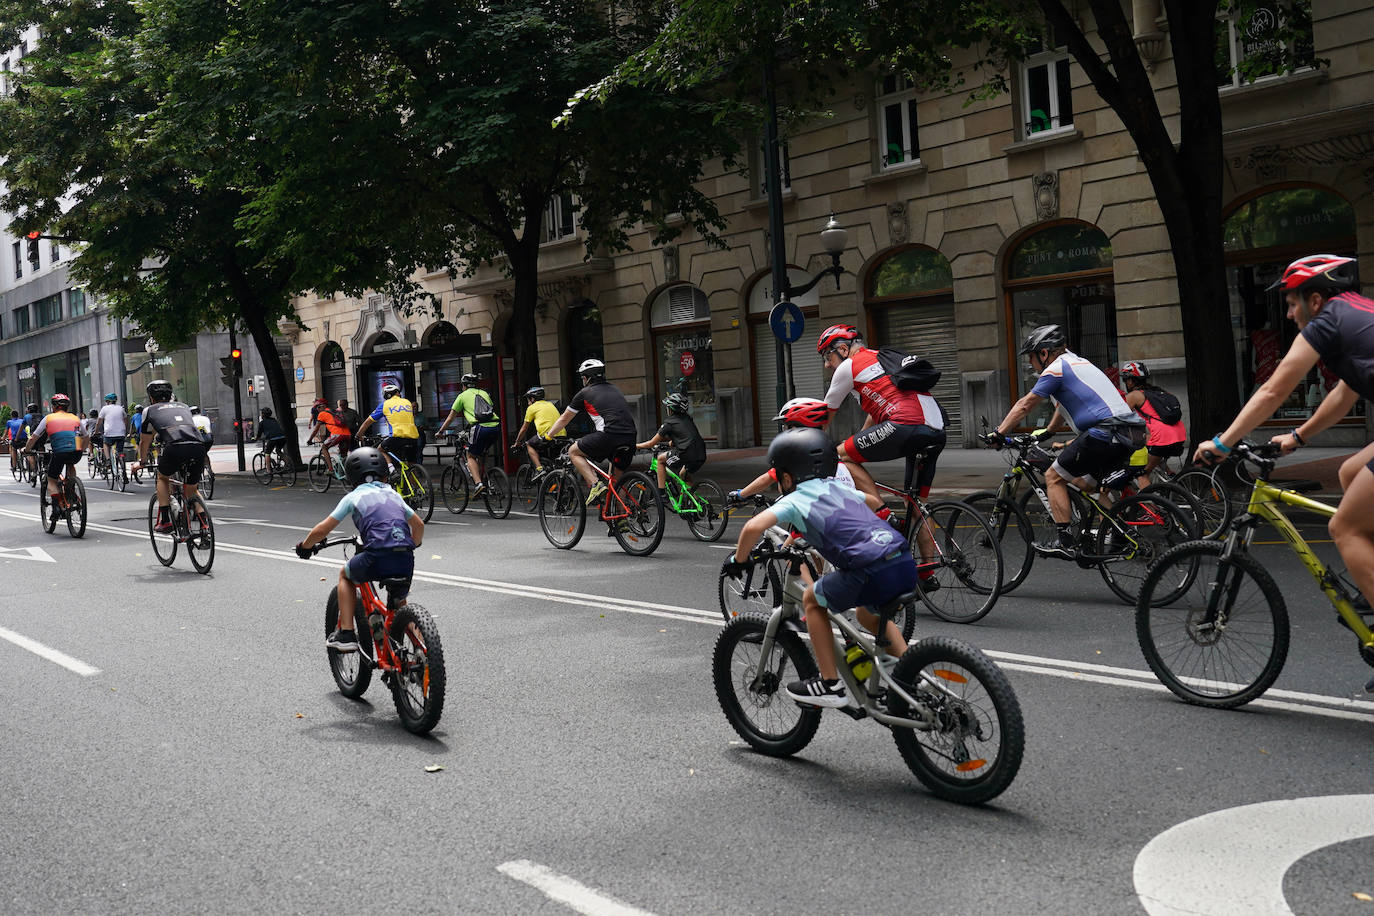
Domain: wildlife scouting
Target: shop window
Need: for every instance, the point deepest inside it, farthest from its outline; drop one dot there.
(559, 221)
(20, 320)
(1262, 235)
(896, 101)
(48, 310)
(1062, 275)
(1046, 92)
(680, 316)
(1265, 40)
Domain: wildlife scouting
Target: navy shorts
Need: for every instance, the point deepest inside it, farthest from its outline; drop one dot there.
(57, 461)
(869, 587)
(482, 439)
(372, 565)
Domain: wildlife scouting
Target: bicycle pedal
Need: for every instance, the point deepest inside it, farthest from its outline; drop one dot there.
(854, 712)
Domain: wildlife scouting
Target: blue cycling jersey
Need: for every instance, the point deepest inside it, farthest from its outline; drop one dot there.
(1084, 392)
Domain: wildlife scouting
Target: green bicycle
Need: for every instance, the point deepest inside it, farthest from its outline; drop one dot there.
(700, 505)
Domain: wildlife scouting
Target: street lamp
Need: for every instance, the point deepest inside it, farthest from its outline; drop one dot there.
(785, 318)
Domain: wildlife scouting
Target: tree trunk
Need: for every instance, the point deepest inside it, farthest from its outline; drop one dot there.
(266, 346)
(521, 339)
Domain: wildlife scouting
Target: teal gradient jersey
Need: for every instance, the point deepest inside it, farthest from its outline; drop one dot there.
(836, 521)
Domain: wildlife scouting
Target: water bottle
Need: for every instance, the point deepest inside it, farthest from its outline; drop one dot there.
(859, 662)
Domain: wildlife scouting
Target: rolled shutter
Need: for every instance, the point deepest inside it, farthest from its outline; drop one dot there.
(927, 330)
(807, 375)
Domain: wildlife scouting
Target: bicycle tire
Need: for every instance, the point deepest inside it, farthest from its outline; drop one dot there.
(453, 485)
(1014, 533)
(524, 487)
(562, 512)
(44, 511)
(642, 531)
(111, 476)
(319, 474)
(91, 468)
(285, 469)
(707, 519)
(1209, 674)
(755, 592)
(262, 471)
(207, 483)
(164, 544)
(966, 569)
(76, 507)
(767, 719)
(977, 702)
(418, 688)
(16, 470)
(1212, 501)
(496, 494)
(200, 535)
(122, 469)
(1182, 500)
(1156, 525)
(351, 670)
(421, 498)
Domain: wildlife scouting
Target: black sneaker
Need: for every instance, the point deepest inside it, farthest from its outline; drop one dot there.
(1055, 549)
(342, 641)
(814, 692)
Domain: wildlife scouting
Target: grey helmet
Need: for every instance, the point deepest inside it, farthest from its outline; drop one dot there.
(1045, 337)
(536, 392)
(677, 403)
(803, 452)
(363, 463)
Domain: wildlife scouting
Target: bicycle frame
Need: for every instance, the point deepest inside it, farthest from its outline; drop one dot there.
(369, 603)
(681, 493)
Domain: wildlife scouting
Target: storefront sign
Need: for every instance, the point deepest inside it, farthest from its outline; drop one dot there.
(26, 372)
(687, 362)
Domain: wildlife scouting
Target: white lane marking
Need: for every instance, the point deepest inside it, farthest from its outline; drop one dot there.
(1232, 862)
(253, 522)
(1311, 703)
(51, 654)
(25, 553)
(572, 894)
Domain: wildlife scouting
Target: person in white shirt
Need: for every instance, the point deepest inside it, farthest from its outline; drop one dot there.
(113, 424)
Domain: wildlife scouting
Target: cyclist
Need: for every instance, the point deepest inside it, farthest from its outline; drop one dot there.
(899, 423)
(1163, 440)
(16, 434)
(28, 423)
(1336, 325)
(688, 453)
(873, 563)
(812, 413)
(388, 528)
(395, 418)
(270, 434)
(114, 426)
(331, 430)
(1108, 429)
(137, 415)
(349, 419)
(614, 434)
(182, 448)
(473, 409)
(202, 423)
(61, 429)
(541, 414)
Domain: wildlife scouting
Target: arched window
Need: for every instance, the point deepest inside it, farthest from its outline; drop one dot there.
(1061, 274)
(681, 320)
(332, 374)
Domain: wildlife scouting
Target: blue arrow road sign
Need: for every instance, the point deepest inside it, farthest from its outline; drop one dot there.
(786, 321)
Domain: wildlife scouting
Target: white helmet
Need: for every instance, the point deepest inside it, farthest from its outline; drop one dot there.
(591, 367)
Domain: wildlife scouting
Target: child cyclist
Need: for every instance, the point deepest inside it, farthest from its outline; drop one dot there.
(873, 562)
(388, 528)
(689, 449)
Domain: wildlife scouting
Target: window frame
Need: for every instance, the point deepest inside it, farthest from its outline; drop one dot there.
(759, 168)
(557, 225)
(1050, 59)
(19, 260)
(904, 97)
(1233, 79)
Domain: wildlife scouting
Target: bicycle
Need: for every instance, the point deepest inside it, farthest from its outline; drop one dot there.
(397, 638)
(526, 485)
(952, 712)
(154, 452)
(410, 481)
(631, 507)
(191, 525)
(1121, 539)
(700, 505)
(270, 464)
(71, 504)
(456, 483)
(322, 474)
(1224, 642)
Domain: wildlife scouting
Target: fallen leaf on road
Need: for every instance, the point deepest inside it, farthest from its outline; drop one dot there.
(138, 554)
(1263, 751)
(300, 715)
(1361, 895)
(691, 772)
(435, 556)
(433, 768)
(663, 631)
(322, 578)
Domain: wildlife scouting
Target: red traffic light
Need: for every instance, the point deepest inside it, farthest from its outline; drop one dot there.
(33, 236)
(235, 353)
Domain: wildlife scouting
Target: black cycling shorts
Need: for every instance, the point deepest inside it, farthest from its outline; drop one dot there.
(674, 461)
(887, 441)
(1093, 457)
(402, 447)
(59, 460)
(1172, 450)
(187, 457)
(598, 446)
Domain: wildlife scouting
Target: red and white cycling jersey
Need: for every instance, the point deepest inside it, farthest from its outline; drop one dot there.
(863, 376)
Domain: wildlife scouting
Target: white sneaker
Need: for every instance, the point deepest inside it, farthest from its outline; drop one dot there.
(814, 692)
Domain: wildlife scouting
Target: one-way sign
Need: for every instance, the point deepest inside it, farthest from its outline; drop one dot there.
(786, 321)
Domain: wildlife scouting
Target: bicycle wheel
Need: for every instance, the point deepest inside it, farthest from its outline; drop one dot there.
(319, 474)
(352, 670)
(962, 579)
(1211, 503)
(974, 747)
(497, 493)
(1224, 641)
(45, 515)
(421, 490)
(200, 536)
(562, 513)
(453, 484)
(639, 534)
(525, 493)
(706, 516)
(285, 469)
(754, 592)
(262, 470)
(1014, 533)
(121, 470)
(207, 483)
(418, 688)
(16, 469)
(752, 690)
(91, 467)
(76, 506)
(165, 543)
(1134, 533)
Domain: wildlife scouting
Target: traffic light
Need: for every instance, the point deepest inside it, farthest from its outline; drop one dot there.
(33, 247)
(231, 367)
(251, 391)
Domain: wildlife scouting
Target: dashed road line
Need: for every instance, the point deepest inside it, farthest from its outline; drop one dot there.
(567, 891)
(55, 656)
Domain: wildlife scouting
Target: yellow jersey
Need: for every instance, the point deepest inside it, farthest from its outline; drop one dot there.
(543, 414)
(399, 416)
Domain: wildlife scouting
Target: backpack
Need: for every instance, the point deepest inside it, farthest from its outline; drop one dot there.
(1166, 407)
(482, 411)
(908, 372)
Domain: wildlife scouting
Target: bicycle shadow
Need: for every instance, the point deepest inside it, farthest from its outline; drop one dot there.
(371, 723)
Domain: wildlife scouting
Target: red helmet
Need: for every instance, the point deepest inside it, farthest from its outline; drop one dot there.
(1317, 272)
(836, 333)
(804, 412)
(1135, 369)
(60, 399)
(320, 402)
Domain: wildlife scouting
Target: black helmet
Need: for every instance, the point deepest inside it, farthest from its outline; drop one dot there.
(804, 453)
(159, 389)
(363, 463)
(537, 392)
(32, 408)
(92, 413)
(1045, 337)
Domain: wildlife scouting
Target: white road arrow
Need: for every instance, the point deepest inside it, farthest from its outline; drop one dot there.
(25, 553)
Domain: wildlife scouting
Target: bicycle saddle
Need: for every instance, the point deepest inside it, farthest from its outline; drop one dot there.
(395, 588)
(622, 455)
(890, 609)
